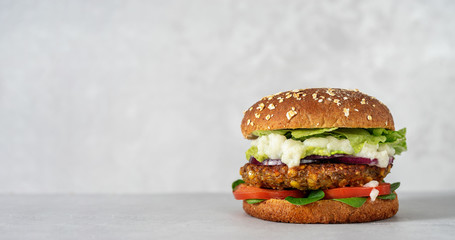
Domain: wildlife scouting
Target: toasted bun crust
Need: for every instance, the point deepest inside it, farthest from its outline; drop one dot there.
(323, 211)
(316, 108)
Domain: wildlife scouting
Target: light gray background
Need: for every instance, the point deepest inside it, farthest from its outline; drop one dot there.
(147, 96)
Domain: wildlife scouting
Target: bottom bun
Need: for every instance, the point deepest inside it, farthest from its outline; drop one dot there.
(323, 211)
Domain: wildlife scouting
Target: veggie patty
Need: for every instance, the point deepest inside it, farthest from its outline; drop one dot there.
(311, 176)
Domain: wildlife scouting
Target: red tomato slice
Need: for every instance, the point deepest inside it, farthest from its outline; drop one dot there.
(243, 192)
(348, 192)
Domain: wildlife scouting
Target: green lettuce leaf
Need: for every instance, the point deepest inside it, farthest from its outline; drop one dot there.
(302, 134)
(356, 136)
(267, 132)
(397, 140)
(312, 197)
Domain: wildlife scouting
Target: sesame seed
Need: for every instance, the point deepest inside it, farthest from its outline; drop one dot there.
(346, 112)
(363, 101)
(303, 95)
(260, 106)
(374, 105)
(355, 109)
(337, 101)
(369, 117)
(315, 96)
(281, 100)
(330, 92)
(267, 117)
(291, 113)
(257, 115)
(251, 108)
(271, 106)
(295, 95)
(288, 95)
(252, 123)
(330, 99)
(345, 98)
(296, 90)
(269, 97)
(386, 123)
(248, 122)
(320, 100)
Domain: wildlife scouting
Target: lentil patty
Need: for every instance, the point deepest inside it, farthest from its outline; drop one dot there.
(311, 176)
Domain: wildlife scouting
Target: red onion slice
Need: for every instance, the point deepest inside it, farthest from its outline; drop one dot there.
(357, 160)
(325, 157)
(268, 162)
(360, 160)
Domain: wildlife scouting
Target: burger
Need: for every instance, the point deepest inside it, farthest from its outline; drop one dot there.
(319, 155)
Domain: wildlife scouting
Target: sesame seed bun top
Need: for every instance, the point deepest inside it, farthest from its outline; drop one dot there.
(316, 108)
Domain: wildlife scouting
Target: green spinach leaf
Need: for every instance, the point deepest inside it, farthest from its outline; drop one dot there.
(236, 183)
(254, 201)
(353, 202)
(312, 197)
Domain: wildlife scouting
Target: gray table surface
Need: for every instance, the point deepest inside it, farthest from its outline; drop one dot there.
(203, 216)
